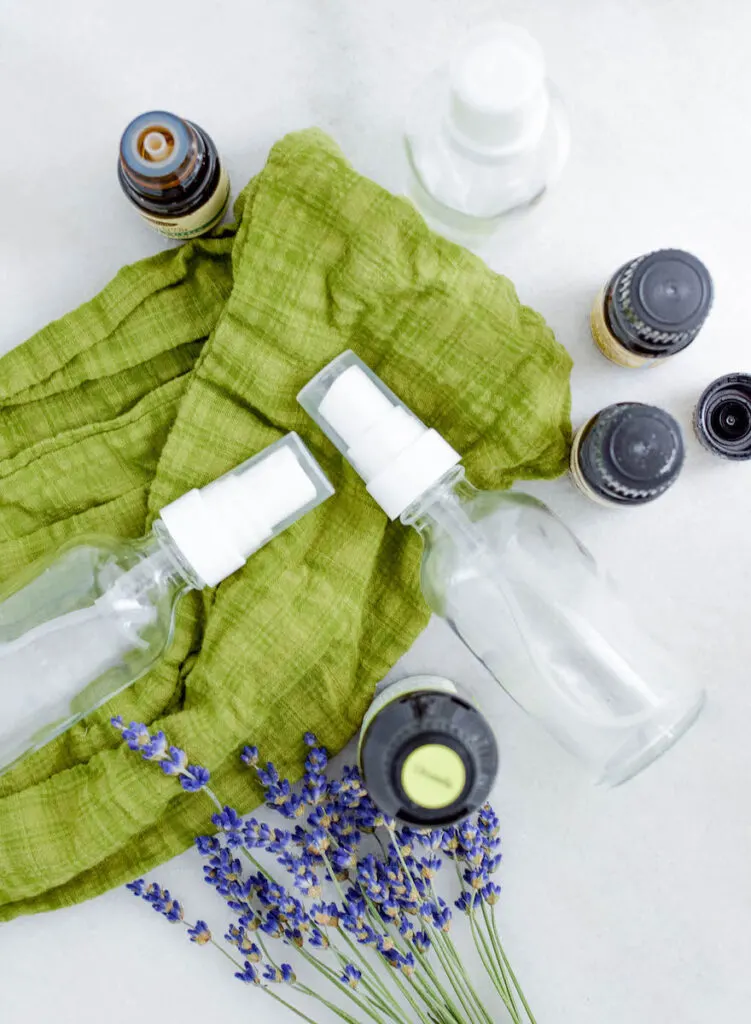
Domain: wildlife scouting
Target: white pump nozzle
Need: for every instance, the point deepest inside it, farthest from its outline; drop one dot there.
(220, 526)
(397, 456)
(499, 96)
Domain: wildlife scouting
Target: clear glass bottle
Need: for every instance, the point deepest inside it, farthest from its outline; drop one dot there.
(488, 134)
(514, 583)
(79, 626)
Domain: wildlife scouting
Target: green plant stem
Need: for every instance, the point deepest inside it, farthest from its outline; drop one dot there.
(433, 977)
(498, 983)
(236, 963)
(365, 981)
(376, 920)
(517, 986)
(259, 867)
(447, 1013)
(331, 1006)
(346, 989)
(410, 1000)
(487, 960)
(369, 968)
(294, 1009)
(455, 978)
(461, 974)
(210, 794)
(223, 951)
(430, 1002)
(465, 980)
(335, 978)
(373, 993)
(499, 957)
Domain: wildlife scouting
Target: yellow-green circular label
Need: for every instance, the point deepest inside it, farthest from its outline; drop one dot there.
(433, 776)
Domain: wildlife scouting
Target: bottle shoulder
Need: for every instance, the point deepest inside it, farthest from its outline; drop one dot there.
(475, 183)
(502, 531)
(95, 570)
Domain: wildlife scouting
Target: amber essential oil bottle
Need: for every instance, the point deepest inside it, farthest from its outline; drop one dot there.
(170, 170)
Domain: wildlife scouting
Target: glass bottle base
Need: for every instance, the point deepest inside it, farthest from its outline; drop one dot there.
(647, 745)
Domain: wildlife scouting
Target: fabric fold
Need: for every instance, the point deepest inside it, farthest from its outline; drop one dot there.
(186, 364)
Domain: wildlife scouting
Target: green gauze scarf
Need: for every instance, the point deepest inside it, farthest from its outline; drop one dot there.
(186, 364)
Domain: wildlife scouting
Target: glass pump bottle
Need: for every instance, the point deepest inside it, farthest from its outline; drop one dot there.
(514, 583)
(488, 133)
(80, 626)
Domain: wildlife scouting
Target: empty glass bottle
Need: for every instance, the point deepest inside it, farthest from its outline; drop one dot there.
(78, 627)
(514, 583)
(488, 133)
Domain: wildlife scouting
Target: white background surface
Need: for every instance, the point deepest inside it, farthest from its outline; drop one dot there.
(625, 907)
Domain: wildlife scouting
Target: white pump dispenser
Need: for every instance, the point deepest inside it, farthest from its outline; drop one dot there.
(397, 456)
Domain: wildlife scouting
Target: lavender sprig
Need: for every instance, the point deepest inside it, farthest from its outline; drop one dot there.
(193, 778)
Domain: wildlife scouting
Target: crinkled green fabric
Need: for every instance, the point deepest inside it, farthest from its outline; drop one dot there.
(186, 364)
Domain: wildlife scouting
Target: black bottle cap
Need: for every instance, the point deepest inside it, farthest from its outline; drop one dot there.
(657, 303)
(631, 453)
(429, 758)
(722, 418)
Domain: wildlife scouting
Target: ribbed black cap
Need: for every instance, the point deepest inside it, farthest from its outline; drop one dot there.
(421, 720)
(657, 303)
(722, 419)
(631, 453)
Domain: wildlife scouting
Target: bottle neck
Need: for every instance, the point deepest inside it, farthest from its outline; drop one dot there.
(443, 507)
(161, 564)
(169, 559)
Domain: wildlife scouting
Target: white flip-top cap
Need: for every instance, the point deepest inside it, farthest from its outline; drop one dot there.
(499, 98)
(218, 527)
(398, 457)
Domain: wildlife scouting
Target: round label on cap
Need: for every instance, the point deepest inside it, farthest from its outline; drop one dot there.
(433, 776)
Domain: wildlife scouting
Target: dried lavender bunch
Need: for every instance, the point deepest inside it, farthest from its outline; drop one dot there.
(358, 901)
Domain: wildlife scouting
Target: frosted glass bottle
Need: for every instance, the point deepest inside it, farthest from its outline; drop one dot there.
(514, 583)
(488, 133)
(79, 626)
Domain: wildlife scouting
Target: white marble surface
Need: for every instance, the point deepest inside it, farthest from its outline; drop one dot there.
(625, 907)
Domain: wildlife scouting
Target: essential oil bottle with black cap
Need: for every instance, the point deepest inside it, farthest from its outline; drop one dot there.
(652, 308)
(427, 755)
(627, 454)
(170, 170)
(722, 419)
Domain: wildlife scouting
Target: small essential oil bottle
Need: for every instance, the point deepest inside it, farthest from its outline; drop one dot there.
(628, 454)
(170, 170)
(427, 755)
(722, 419)
(652, 308)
